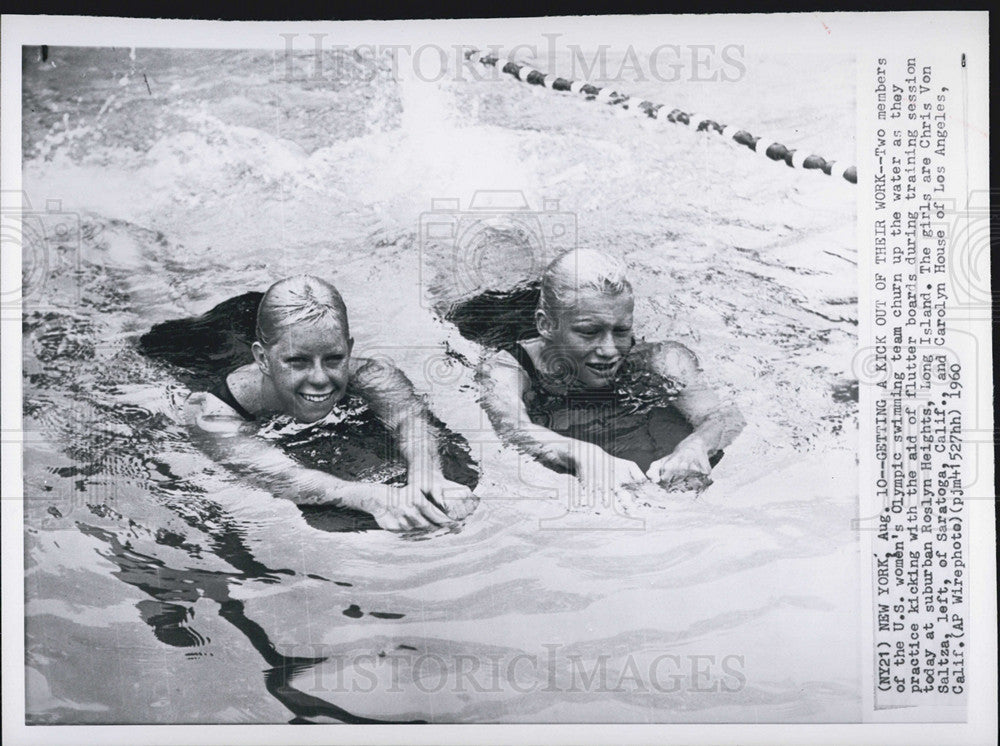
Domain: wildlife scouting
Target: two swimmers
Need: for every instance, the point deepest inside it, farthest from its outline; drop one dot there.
(585, 353)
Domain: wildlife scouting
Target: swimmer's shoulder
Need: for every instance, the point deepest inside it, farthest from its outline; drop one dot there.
(518, 360)
(229, 404)
(368, 373)
(245, 385)
(531, 346)
(673, 360)
(362, 366)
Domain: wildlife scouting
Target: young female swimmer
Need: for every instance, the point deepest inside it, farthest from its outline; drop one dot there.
(302, 367)
(584, 323)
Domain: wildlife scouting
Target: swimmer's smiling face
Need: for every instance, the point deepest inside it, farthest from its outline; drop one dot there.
(593, 335)
(307, 368)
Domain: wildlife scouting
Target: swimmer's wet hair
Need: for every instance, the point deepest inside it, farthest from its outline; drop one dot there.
(302, 298)
(580, 269)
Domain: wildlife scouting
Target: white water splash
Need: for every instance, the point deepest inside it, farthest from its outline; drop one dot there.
(449, 157)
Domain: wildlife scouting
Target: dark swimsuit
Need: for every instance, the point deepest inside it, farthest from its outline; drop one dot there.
(634, 418)
(358, 445)
(222, 391)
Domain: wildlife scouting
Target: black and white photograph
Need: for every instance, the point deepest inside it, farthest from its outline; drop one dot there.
(455, 373)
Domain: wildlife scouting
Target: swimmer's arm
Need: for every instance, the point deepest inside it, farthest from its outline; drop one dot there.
(218, 428)
(393, 399)
(716, 422)
(502, 384)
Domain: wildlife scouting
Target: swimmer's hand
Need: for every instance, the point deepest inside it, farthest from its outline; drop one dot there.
(684, 469)
(402, 508)
(596, 468)
(456, 499)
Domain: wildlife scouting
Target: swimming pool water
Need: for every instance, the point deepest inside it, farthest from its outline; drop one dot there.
(161, 588)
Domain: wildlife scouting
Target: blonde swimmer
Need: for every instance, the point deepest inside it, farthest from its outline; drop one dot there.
(583, 397)
(302, 368)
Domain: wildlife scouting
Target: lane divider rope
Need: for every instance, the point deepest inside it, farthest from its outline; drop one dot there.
(764, 146)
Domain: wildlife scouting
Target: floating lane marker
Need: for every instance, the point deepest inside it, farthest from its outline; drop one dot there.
(765, 147)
